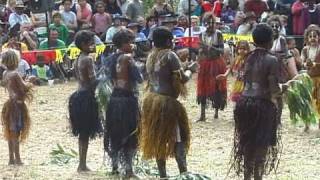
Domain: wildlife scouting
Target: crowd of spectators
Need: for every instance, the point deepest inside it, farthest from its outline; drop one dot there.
(23, 29)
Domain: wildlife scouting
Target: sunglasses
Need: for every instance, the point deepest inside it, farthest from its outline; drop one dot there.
(275, 25)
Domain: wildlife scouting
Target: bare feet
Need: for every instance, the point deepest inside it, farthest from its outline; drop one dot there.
(306, 129)
(83, 169)
(11, 162)
(19, 162)
(216, 116)
(131, 175)
(201, 119)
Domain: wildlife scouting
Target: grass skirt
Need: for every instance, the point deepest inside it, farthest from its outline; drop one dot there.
(15, 120)
(256, 125)
(316, 93)
(208, 88)
(84, 114)
(122, 119)
(160, 117)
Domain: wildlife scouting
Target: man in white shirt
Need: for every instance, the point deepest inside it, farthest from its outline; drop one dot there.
(18, 16)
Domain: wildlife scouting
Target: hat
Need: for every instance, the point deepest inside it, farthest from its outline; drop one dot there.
(20, 4)
(133, 24)
(116, 16)
(169, 18)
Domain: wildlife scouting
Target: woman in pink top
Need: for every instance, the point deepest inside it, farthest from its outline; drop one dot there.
(84, 14)
(101, 20)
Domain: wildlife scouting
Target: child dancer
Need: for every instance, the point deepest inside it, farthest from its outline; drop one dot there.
(211, 64)
(122, 115)
(237, 67)
(256, 113)
(15, 115)
(83, 108)
(310, 56)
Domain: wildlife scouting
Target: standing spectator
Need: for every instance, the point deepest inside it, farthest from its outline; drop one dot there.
(18, 16)
(183, 22)
(300, 17)
(84, 14)
(69, 18)
(257, 6)
(228, 15)
(101, 20)
(3, 33)
(160, 8)
(134, 10)
(183, 7)
(62, 29)
(112, 7)
(217, 8)
(123, 4)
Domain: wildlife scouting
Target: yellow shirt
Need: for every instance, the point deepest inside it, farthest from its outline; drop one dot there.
(23, 47)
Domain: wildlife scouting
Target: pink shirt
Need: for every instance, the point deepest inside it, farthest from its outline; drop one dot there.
(101, 22)
(84, 13)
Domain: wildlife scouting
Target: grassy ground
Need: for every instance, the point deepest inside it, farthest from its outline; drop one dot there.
(210, 149)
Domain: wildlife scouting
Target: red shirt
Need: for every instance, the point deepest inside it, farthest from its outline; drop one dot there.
(217, 8)
(258, 7)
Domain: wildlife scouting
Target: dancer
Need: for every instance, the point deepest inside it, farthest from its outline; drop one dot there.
(122, 115)
(15, 115)
(83, 108)
(310, 56)
(237, 67)
(164, 125)
(211, 64)
(256, 121)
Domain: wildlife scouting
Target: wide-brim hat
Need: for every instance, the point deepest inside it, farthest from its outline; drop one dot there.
(168, 18)
(20, 4)
(133, 24)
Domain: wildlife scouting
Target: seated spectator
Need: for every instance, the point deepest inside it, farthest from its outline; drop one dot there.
(249, 23)
(3, 33)
(183, 22)
(228, 15)
(18, 17)
(84, 14)
(150, 21)
(101, 20)
(160, 8)
(196, 30)
(136, 28)
(24, 69)
(13, 41)
(54, 42)
(39, 24)
(116, 26)
(29, 37)
(8, 9)
(62, 29)
(41, 71)
(69, 18)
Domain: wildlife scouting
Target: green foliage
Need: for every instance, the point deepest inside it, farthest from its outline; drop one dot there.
(142, 167)
(60, 157)
(299, 100)
(103, 93)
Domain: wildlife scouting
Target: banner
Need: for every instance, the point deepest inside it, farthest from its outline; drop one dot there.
(235, 38)
(57, 54)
